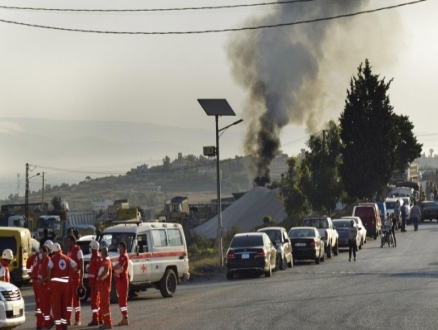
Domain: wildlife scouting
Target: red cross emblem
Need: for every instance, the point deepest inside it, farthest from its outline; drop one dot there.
(143, 269)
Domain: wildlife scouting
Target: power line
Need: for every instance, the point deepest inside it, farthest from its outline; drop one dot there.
(158, 9)
(216, 30)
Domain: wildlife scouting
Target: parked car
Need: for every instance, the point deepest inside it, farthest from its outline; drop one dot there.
(360, 227)
(307, 244)
(343, 226)
(12, 312)
(282, 243)
(251, 252)
(327, 232)
(382, 209)
(370, 215)
(429, 211)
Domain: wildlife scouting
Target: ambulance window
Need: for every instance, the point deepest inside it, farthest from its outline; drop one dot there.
(142, 243)
(175, 237)
(159, 237)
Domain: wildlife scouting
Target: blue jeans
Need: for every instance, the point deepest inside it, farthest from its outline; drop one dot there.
(415, 222)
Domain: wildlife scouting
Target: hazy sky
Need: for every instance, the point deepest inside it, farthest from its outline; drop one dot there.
(157, 79)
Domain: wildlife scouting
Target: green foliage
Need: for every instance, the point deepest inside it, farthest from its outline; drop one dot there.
(368, 134)
(200, 245)
(294, 200)
(57, 203)
(323, 188)
(166, 162)
(267, 219)
(408, 149)
(226, 240)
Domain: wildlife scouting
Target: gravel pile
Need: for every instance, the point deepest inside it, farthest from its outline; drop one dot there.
(247, 212)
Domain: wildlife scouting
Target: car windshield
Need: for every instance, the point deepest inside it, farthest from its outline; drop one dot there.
(301, 232)
(48, 223)
(112, 240)
(341, 223)
(250, 240)
(430, 204)
(318, 223)
(274, 235)
(8, 243)
(390, 205)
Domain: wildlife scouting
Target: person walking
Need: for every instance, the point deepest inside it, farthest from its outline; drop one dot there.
(415, 215)
(76, 280)
(103, 281)
(93, 269)
(404, 214)
(44, 289)
(32, 266)
(351, 235)
(59, 269)
(122, 281)
(393, 226)
(397, 212)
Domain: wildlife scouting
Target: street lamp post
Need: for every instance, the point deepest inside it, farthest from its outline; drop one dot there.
(216, 108)
(26, 195)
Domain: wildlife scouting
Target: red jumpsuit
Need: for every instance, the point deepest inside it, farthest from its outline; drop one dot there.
(44, 292)
(75, 280)
(32, 265)
(104, 288)
(4, 271)
(122, 284)
(61, 266)
(95, 262)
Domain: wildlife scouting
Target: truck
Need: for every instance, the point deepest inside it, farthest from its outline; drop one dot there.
(175, 210)
(13, 220)
(327, 231)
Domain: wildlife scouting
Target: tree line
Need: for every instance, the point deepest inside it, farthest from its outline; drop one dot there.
(354, 158)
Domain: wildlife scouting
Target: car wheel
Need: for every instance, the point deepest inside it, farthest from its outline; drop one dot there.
(230, 276)
(284, 263)
(317, 260)
(277, 262)
(323, 256)
(329, 251)
(269, 272)
(168, 283)
(336, 249)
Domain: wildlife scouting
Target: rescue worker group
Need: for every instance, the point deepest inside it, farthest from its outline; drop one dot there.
(57, 281)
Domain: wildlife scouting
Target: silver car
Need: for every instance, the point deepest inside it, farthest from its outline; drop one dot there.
(361, 229)
(281, 241)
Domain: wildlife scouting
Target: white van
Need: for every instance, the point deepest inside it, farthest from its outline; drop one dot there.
(157, 255)
(12, 312)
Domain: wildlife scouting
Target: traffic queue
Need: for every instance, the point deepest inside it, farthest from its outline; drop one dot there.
(57, 281)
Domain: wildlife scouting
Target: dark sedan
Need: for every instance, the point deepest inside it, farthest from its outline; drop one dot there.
(307, 244)
(429, 211)
(251, 252)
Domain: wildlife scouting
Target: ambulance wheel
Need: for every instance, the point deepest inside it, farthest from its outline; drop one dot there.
(168, 283)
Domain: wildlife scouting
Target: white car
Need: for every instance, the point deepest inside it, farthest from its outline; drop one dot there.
(12, 312)
(361, 228)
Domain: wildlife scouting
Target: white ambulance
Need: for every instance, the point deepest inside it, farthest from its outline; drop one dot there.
(157, 255)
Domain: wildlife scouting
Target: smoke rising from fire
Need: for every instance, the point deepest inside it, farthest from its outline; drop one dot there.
(299, 75)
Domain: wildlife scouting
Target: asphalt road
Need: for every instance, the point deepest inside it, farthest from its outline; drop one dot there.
(386, 288)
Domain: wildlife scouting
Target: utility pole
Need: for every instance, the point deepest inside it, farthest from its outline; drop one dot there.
(42, 193)
(26, 195)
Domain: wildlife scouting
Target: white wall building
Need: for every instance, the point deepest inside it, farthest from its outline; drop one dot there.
(97, 206)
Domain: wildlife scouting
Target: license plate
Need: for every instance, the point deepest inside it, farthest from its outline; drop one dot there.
(16, 310)
(245, 255)
(300, 244)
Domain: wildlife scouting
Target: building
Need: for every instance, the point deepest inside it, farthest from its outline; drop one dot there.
(101, 206)
(278, 167)
(152, 188)
(179, 162)
(140, 170)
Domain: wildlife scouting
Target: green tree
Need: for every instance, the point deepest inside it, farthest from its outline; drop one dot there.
(166, 162)
(57, 202)
(369, 137)
(294, 200)
(323, 187)
(267, 219)
(408, 149)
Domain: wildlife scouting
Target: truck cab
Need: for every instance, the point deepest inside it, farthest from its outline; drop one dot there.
(53, 222)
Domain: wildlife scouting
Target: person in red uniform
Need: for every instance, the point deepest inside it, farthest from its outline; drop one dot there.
(43, 282)
(122, 281)
(7, 257)
(59, 269)
(103, 281)
(93, 269)
(32, 265)
(76, 280)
